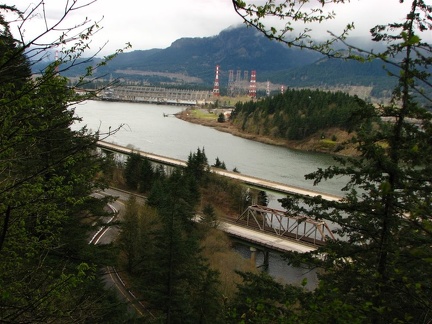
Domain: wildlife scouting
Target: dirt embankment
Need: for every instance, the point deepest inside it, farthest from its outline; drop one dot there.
(333, 138)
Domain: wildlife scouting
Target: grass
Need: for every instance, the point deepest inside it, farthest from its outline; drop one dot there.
(328, 143)
(202, 113)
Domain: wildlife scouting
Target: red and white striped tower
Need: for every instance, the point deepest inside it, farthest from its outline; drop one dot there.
(252, 85)
(216, 83)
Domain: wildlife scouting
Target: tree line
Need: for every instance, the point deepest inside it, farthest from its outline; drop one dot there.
(297, 114)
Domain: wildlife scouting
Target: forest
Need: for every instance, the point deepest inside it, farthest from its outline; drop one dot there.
(51, 178)
(297, 114)
(376, 270)
(171, 249)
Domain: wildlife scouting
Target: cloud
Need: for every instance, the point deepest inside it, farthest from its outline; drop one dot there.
(156, 24)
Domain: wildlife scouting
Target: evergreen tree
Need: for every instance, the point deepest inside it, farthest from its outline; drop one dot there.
(197, 164)
(219, 164)
(181, 278)
(159, 172)
(147, 176)
(376, 271)
(260, 299)
(14, 67)
(133, 170)
(47, 173)
(262, 198)
(136, 239)
(129, 240)
(209, 216)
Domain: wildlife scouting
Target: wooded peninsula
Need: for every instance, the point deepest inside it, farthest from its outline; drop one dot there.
(309, 120)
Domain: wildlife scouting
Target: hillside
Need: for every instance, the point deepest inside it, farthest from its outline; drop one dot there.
(190, 62)
(313, 143)
(328, 72)
(309, 120)
(233, 49)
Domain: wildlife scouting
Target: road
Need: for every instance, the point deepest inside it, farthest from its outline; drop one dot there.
(261, 183)
(107, 234)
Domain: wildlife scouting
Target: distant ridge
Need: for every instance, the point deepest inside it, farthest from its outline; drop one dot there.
(190, 62)
(233, 49)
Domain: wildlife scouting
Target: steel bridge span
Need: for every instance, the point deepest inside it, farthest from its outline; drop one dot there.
(269, 228)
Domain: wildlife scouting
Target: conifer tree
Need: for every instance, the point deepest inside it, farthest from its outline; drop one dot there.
(262, 198)
(181, 278)
(197, 164)
(209, 217)
(147, 176)
(219, 164)
(47, 172)
(129, 240)
(376, 271)
(254, 301)
(133, 170)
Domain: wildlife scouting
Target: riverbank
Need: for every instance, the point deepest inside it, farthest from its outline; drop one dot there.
(333, 138)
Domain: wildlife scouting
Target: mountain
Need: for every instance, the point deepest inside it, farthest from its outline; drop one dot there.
(239, 48)
(192, 61)
(332, 72)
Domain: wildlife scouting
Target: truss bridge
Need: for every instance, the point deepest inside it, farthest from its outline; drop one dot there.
(262, 227)
(278, 222)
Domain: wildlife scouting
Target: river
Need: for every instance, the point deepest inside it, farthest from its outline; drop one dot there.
(146, 128)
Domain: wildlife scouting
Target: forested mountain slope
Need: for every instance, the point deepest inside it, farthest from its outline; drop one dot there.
(238, 49)
(333, 72)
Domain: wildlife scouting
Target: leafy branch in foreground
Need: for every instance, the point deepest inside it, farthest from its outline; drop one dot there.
(47, 173)
(376, 271)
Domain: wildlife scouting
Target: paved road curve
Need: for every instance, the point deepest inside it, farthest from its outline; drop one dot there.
(107, 234)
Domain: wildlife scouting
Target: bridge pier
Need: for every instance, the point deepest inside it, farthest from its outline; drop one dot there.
(265, 253)
(253, 255)
(266, 261)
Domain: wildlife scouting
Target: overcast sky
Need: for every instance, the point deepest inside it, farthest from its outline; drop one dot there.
(150, 24)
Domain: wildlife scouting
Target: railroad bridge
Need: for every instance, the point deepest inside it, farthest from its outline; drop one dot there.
(280, 223)
(260, 226)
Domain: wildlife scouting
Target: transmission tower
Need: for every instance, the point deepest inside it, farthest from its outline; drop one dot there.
(238, 76)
